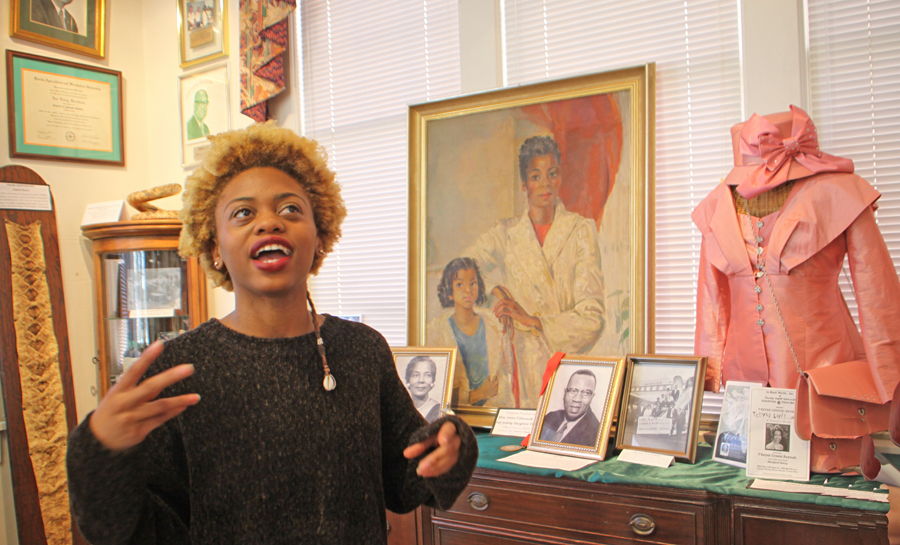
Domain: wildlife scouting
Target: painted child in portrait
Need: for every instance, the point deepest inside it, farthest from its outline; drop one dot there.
(475, 332)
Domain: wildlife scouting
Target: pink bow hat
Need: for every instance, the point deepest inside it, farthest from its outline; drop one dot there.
(765, 158)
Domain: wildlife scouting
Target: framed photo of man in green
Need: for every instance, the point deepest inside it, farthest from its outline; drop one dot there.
(205, 110)
(63, 111)
(74, 25)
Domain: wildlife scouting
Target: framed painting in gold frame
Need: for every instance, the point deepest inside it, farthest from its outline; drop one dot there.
(202, 31)
(538, 198)
(577, 409)
(661, 405)
(427, 374)
(80, 28)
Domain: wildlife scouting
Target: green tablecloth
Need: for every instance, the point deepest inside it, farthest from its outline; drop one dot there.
(705, 474)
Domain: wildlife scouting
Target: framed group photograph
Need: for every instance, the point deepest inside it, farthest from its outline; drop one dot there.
(661, 405)
(205, 109)
(63, 111)
(427, 374)
(154, 290)
(530, 203)
(202, 31)
(577, 409)
(72, 25)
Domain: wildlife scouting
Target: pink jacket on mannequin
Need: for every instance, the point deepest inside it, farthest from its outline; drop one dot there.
(848, 374)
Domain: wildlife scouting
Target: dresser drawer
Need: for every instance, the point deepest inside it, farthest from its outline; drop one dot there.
(564, 510)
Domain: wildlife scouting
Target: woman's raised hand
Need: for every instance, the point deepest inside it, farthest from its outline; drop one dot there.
(507, 309)
(130, 411)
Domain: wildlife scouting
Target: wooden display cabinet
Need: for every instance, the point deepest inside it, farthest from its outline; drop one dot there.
(501, 508)
(143, 290)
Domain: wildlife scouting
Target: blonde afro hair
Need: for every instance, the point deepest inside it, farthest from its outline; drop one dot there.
(257, 146)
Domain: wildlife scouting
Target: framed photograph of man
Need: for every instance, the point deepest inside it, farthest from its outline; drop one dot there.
(427, 374)
(202, 31)
(205, 109)
(73, 25)
(661, 405)
(576, 411)
(529, 230)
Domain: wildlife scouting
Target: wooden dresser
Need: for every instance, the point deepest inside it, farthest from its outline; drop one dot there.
(500, 508)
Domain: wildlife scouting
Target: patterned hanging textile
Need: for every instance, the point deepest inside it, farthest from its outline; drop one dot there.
(264, 36)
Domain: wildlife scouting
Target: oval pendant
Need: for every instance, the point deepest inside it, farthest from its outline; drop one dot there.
(329, 383)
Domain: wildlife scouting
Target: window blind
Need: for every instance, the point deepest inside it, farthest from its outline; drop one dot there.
(698, 93)
(363, 62)
(854, 79)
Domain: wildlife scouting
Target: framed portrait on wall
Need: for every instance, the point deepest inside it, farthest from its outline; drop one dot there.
(205, 109)
(64, 111)
(529, 228)
(427, 374)
(577, 409)
(73, 25)
(661, 404)
(202, 31)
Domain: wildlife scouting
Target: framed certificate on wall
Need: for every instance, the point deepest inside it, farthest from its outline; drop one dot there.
(64, 111)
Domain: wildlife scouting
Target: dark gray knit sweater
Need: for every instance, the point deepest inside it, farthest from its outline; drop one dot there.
(267, 456)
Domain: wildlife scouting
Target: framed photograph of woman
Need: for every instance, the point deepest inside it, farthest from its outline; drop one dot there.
(427, 374)
(205, 109)
(529, 228)
(72, 25)
(202, 31)
(576, 411)
(661, 405)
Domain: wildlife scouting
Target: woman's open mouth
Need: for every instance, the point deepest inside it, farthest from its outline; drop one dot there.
(271, 254)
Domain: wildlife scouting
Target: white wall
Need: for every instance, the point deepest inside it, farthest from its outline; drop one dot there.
(74, 185)
(143, 45)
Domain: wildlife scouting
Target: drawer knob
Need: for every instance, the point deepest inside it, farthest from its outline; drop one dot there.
(642, 525)
(478, 501)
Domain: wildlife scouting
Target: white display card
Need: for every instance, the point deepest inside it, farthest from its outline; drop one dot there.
(25, 197)
(775, 450)
(513, 422)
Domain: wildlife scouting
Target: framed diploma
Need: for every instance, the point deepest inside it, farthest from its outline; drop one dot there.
(63, 111)
(72, 25)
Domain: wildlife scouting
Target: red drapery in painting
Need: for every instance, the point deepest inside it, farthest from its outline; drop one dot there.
(264, 36)
(588, 132)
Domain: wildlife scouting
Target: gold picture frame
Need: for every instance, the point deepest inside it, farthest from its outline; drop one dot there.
(466, 183)
(82, 30)
(661, 404)
(578, 422)
(410, 360)
(202, 34)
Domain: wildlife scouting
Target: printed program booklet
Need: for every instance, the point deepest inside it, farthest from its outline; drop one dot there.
(775, 450)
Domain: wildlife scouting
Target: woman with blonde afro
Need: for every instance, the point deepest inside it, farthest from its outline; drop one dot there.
(274, 424)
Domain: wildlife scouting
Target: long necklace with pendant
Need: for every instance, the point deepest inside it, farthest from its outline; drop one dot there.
(329, 383)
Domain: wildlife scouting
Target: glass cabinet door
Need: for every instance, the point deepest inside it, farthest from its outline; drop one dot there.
(146, 298)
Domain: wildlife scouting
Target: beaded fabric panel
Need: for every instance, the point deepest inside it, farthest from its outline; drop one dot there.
(42, 391)
(763, 204)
